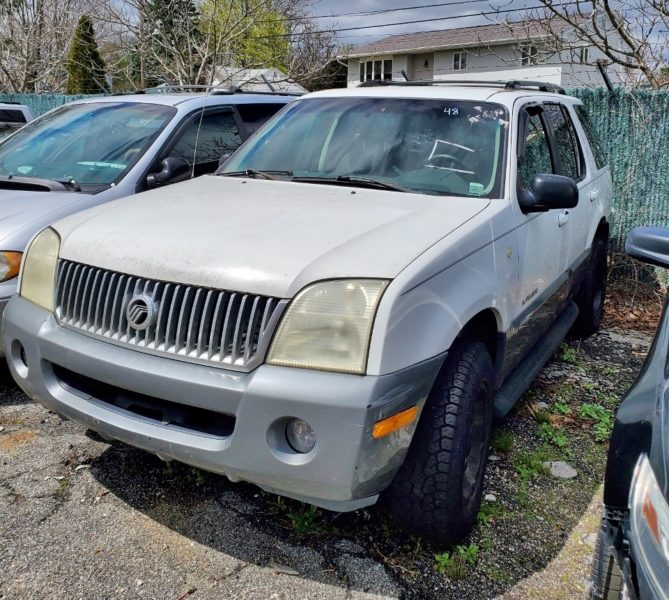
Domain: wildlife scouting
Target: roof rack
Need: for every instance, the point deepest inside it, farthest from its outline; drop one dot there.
(212, 89)
(513, 84)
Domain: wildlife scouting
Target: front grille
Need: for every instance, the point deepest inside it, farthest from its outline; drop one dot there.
(198, 324)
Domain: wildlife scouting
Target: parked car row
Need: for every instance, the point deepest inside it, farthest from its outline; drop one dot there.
(341, 310)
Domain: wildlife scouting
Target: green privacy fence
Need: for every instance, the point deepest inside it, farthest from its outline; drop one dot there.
(40, 103)
(634, 130)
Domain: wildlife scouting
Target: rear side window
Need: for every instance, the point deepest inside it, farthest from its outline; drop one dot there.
(593, 138)
(254, 115)
(568, 148)
(12, 116)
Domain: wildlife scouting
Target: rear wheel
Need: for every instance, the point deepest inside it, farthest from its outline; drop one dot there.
(437, 491)
(607, 578)
(591, 296)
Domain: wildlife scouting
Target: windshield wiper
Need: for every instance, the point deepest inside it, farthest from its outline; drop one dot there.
(47, 184)
(256, 174)
(353, 180)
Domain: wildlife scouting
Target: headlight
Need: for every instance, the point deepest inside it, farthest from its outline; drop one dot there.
(650, 524)
(328, 326)
(39, 269)
(9, 265)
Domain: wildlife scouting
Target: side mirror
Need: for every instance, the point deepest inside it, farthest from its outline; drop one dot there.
(650, 245)
(173, 170)
(548, 191)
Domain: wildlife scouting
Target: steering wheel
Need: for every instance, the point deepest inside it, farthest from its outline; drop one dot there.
(448, 162)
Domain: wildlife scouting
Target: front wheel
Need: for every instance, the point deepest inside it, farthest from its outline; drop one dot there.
(437, 491)
(607, 578)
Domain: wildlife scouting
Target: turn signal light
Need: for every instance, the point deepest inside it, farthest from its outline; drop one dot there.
(387, 426)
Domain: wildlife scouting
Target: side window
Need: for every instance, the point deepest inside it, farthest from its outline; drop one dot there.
(591, 134)
(214, 133)
(11, 116)
(568, 148)
(255, 115)
(536, 156)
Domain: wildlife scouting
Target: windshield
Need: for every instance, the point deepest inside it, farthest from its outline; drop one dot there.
(92, 144)
(443, 147)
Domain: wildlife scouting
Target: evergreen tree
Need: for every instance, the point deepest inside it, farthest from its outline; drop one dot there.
(85, 67)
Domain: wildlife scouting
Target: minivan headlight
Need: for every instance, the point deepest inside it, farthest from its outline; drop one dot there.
(38, 275)
(650, 522)
(328, 326)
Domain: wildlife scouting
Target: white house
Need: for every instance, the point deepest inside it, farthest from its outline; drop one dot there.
(506, 51)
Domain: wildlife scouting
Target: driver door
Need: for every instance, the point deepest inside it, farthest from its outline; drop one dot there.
(543, 237)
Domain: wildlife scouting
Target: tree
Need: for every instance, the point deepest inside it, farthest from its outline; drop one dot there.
(85, 67)
(34, 38)
(629, 33)
(184, 41)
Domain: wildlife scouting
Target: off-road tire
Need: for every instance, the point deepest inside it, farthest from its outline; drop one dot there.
(437, 491)
(590, 297)
(607, 578)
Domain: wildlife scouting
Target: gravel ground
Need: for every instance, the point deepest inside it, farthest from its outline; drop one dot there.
(81, 518)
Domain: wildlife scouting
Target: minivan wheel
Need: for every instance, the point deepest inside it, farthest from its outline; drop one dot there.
(437, 491)
(591, 295)
(607, 578)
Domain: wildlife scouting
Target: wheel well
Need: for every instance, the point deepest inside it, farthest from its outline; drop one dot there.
(483, 328)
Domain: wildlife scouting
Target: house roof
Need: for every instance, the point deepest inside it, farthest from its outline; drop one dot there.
(462, 37)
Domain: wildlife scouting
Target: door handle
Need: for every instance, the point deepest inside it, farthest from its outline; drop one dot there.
(563, 218)
(594, 195)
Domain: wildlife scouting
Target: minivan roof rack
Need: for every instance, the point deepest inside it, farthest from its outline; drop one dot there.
(212, 89)
(513, 84)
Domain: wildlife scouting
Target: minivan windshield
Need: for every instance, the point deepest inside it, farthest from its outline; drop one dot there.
(91, 143)
(444, 147)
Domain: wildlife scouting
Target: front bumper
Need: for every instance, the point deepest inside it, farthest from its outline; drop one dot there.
(346, 470)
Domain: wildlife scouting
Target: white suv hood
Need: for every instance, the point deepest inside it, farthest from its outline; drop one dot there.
(262, 237)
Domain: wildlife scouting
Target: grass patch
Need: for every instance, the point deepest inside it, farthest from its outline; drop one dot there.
(457, 563)
(567, 354)
(502, 441)
(554, 436)
(601, 417)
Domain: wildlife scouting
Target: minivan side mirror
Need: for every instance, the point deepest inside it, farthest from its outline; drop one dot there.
(173, 170)
(650, 245)
(548, 191)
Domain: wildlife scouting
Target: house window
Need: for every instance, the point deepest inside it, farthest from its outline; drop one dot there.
(585, 55)
(529, 55)
(459, 61)
(376, 70)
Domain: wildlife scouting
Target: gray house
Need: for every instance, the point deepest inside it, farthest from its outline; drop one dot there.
(523, 51)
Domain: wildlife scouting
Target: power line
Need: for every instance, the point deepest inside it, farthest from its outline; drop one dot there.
(416, 21)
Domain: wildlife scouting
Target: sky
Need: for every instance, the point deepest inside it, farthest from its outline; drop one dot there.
(461, 13)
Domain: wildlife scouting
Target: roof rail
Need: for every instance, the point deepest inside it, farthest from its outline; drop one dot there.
(212, 89)
(508, 85)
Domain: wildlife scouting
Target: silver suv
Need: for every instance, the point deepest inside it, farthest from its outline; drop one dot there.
(344, 308)
(93, 151)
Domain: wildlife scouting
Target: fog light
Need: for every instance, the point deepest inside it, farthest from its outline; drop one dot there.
(300, 436)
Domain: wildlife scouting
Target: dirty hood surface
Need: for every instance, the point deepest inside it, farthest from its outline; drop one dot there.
(261, 237)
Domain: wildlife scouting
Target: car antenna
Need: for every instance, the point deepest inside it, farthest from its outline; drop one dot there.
(197, 136)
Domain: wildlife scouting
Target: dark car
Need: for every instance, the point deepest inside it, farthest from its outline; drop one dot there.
(632, 553)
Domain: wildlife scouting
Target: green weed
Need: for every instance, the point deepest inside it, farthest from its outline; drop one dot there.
(554, 436)
(562, 408)
(456, 563)
(603, 420)
(502, 441)
(567, 354)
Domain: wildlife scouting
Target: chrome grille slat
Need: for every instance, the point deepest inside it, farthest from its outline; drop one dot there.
(219, 327)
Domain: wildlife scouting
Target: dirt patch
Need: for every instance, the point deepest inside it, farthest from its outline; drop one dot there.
(11, 441)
